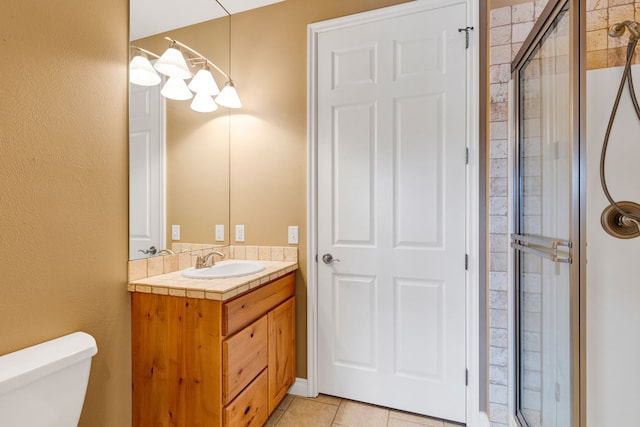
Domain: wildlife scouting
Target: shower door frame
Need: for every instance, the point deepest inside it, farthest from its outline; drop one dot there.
(577, 228)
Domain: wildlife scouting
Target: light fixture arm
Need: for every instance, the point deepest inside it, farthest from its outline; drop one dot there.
(145, 51)
(197, 56)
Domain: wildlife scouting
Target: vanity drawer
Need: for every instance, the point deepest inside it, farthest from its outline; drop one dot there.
(244, 355)
(245, 309)
(250, 407)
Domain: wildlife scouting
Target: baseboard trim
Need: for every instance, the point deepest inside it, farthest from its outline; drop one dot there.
(300, 387)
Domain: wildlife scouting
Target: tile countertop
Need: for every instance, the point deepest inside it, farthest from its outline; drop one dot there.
(215, 289)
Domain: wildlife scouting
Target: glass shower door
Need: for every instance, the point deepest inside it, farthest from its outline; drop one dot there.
(543, 224)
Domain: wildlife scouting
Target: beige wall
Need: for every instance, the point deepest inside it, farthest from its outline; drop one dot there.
(63, 181)
(63, 144)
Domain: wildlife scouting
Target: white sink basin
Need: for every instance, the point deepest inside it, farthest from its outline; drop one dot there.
(223, 269)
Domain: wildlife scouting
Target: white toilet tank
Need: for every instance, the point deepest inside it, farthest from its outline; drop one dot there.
(45, 385)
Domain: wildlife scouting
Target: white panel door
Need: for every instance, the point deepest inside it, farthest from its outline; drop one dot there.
(391, 209)
(146, 170)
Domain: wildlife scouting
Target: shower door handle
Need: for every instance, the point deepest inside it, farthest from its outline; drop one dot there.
(541, 246)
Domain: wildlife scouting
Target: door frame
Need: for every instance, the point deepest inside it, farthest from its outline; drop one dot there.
(475, 389)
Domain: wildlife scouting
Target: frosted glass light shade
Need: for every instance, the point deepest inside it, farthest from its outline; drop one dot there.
(203, 103)
(177, 89)
(173, 64)
(229, 96)
(141, 72)
(203, 82)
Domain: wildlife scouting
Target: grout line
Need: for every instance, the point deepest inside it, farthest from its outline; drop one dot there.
(333, 419)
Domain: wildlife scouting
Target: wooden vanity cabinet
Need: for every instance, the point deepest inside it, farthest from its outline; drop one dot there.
(282, 351)
(199, 362)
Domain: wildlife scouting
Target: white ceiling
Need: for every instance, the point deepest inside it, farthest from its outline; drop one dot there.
(149, 17)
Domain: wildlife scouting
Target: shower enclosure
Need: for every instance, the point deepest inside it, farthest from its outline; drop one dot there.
(546, 238)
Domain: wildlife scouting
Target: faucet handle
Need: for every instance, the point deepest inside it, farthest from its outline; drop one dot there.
(200, 261)
(203, 260)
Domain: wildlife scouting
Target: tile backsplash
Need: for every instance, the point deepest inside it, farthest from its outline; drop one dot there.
(186, 253)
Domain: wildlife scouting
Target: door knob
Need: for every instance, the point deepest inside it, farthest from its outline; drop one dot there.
(328, 259)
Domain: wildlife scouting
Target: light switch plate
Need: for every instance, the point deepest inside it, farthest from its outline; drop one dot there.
(175, 232)
(219, 232)
(239, 233)
(292, 234)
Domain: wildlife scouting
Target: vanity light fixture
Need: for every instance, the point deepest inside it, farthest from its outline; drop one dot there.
(229, 96)
(141, 72)
(203, 103)
(203, 82)
(176, 63)
(175, 88)
(173, 64)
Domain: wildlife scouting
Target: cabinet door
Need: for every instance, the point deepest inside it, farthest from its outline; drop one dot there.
(282, 351)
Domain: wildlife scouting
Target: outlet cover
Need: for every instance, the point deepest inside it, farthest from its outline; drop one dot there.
(292, 235)
(239, 233)
(175, 232)
(219, 232)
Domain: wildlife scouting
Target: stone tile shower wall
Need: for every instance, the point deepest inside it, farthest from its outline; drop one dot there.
(509, 27)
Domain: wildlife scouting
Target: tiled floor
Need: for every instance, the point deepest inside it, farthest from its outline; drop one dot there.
(329, 411)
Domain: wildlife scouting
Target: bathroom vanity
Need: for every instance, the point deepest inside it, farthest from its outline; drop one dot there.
(212, 352)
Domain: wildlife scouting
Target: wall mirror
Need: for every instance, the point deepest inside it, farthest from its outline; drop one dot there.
(179, 158)
(191, 169)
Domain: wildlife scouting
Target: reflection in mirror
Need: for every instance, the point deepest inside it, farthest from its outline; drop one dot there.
(179, 158)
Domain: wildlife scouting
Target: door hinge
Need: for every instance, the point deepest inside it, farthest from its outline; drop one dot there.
(316, 257)
(466, 156)
(466, 35)
(466, 261)
(466, 377)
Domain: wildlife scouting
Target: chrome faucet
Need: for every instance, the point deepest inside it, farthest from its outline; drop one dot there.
(203, 261)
